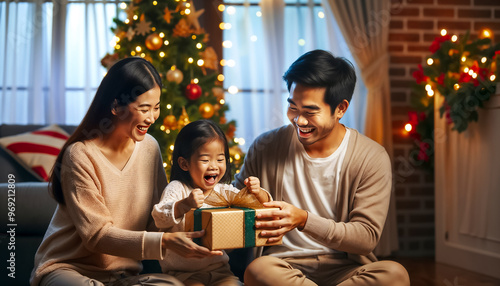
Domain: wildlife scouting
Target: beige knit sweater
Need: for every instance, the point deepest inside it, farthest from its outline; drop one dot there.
(102, 227)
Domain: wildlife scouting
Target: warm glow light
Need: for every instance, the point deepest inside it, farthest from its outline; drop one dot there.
(474, 75)
(169, 106)
(408, 127)
(164, 165)
(162, 35)
(162, 128)
(155, 3)
(486, 33)
(227, 44)
(200, 62)
(143, 55)
(138, 48)
(492, 77)
(171, 148)
(166, 42)
(167, 131)
(484, 59)
(187, 11)
(466, 70)
(220, 77)
(199, 46)
(231, 10)
(470, 72)
(241, 141)
(231, 63)
(253, 38)
(123, 5)
(443, 32)
(135, 17)
(117, 47)
(454, 38)
(258, 14)
(302, 42)
(162, 54)
(190, 60)
(321, 14)
(456, 86)
(237, 156)
(132, 53)
(196, 80)
(127, 21)
(221, 7)
(221, 25)
(428, 87)
(463, 59)
(232, 89)
(193, 37)
(223, 62)
(222, 101)
(227, 26)
(153, 29)
(430, 93)
(430, 61)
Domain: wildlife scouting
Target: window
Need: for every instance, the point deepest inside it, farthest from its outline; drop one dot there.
(250, 62)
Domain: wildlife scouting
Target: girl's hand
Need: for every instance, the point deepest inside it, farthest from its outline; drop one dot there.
(195, 198)
(182, 244)
(253, 187)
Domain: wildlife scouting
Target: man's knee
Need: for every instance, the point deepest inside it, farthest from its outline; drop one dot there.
(396, 273)
(258, 270)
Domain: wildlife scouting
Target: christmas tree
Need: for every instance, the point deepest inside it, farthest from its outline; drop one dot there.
(168, 34)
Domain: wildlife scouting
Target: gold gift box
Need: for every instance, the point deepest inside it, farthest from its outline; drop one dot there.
(226, 228)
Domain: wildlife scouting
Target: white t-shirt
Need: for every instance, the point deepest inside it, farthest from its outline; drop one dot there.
(311, 184)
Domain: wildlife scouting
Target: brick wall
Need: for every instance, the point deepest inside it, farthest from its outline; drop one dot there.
(413, 26)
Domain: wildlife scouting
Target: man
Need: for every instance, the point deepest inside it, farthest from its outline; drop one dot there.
(331, 183)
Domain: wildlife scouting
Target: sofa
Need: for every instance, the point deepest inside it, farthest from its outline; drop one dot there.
(31, 209)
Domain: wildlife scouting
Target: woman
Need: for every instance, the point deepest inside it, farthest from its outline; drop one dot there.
(106, 180)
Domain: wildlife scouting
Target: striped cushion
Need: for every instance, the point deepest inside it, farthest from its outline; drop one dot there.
(38, 149)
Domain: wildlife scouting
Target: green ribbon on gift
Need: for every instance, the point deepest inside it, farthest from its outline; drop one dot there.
(249, 222)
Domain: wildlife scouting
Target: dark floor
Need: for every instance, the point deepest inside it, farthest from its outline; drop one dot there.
(427, 272)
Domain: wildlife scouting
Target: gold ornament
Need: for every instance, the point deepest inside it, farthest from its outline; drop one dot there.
(175, 75)
(183, 119)
(206, 110)
(154, 42)
(170, 122)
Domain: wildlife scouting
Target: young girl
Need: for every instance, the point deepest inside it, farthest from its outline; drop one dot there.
(200, 162)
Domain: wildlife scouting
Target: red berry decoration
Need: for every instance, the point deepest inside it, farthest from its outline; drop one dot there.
(193, 91)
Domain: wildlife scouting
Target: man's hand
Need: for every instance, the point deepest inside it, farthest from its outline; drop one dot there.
(253, 187)
(277, 223)
(182, 244)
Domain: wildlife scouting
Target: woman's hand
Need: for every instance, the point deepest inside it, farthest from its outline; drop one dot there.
(182, 244)
(253, 187)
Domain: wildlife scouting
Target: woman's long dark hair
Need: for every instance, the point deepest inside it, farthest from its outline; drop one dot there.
(124, 82)
(190, 138)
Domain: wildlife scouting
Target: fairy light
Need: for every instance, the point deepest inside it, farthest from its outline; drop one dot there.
(484, 59)
(220, 77)
(428, 87)
(302, 42)
(486, 33)
(169, 106)
(162, 128)
(321, 15)
(470, 72)
(187, 11)
(138, 49)
(241, 141)
(167, 131)
(199, 46)
(231, 10)
(221, 8)
(166, 42)
(222, 62)
(132, 53)
(237, 157)
(466, 70)
(222, 101)
(127, 21)
(456, 86)
(221, 25)
(162, 54)
(430, 93)
(463, 59)
(143, 55)
(196, 80)
(253, 38)
(190, 60)
(200, 62)
(232, 89)
(227, 44)
(231, 63)
(430, 61)
(117, 47)
(135, 17)
(443, 32)
(193, 37)
(492, 77)
(155, 3)
(164, 165)
(408, 127)
(123, 5)
(258, 14)
(454, 38)
(474, 75)
(227, 26)
(162, 35)
(171, 148)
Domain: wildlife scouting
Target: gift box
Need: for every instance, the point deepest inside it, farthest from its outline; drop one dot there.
(228, 227)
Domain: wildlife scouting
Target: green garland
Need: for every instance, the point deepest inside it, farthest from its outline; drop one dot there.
(464, 72)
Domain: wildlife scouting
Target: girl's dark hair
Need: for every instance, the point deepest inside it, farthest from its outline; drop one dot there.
(319, 68)
(124, 82)
(190, 138)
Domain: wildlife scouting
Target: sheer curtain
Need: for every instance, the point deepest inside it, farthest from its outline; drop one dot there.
(365, 25)
(266, 37)
(50, 58)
